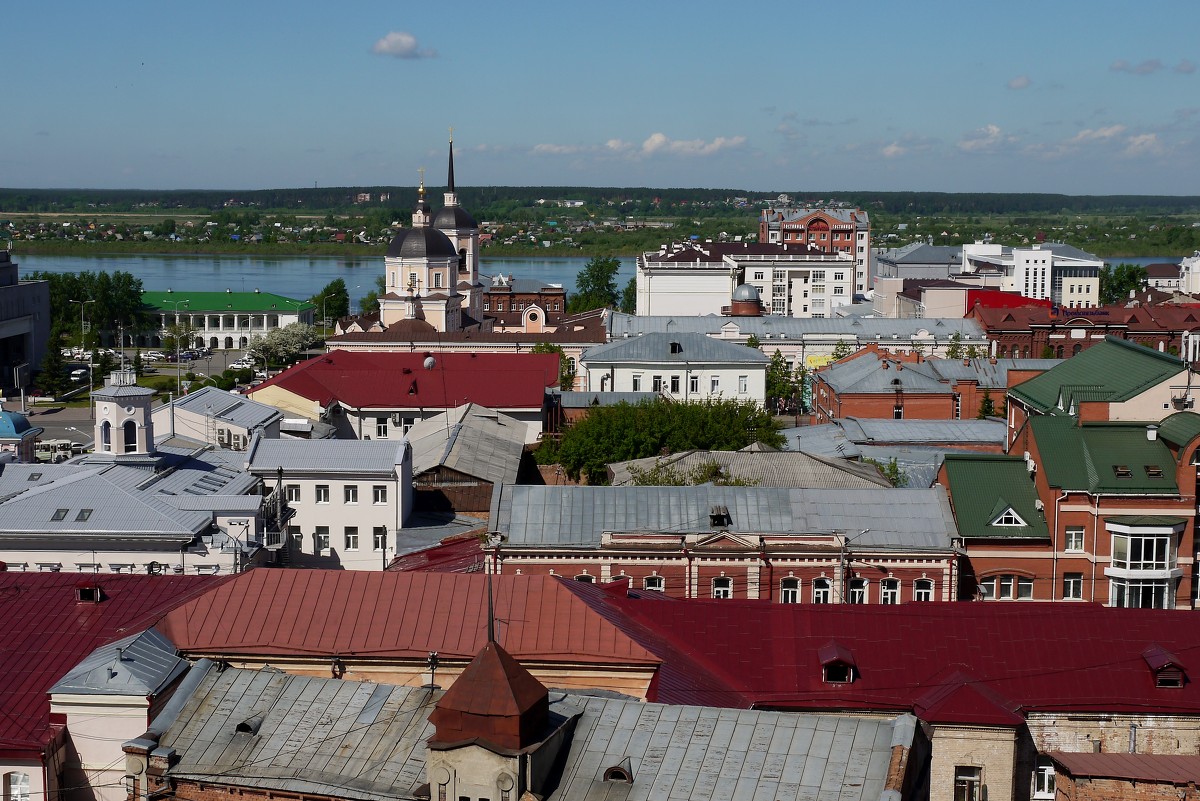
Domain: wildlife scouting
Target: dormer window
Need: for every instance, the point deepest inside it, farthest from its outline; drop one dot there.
(621, 772)
(1168, 670)
(1008, 518)
(719, 517)
(1153, 471)
(88, 591)
(837, 663)
(1122, 471)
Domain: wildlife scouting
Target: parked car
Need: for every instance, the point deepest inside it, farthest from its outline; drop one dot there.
(79, 375)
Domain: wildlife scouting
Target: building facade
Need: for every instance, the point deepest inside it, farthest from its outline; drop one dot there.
(842, 231)
(219, 320)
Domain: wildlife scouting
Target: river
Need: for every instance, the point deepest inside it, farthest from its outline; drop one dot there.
(292, 276)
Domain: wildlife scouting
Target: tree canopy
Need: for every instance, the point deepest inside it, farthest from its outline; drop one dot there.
(652, 427)
(283, 344)
(596, 286)
(333, 300)
(115, 300)
(1116, 283)
(566, 370)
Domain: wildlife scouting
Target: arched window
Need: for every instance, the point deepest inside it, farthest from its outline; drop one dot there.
(16, 786)
(820, 591)
(1059, 351)
(889, 591)
(923, 590)
(789, 591)
(655, 584)
(722, 587)
(857, 591)
(586, 579)
(1075, 350)
(130, 436)
(106, 436)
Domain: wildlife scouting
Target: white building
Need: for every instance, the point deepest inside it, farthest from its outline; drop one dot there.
(842, 231)
(217, 417)
(220, 320)
(679, 365)
(793, 280)
(1062, 274)
(347, 499)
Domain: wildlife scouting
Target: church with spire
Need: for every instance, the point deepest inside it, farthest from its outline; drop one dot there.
(431, 270)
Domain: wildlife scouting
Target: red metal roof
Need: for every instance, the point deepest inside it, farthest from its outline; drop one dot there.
(992, 659)
(392, 615)
(461, 555)
(388, 380)
(44, 632)
(1175, 769)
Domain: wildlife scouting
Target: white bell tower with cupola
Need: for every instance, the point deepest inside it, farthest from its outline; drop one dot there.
(124, 426)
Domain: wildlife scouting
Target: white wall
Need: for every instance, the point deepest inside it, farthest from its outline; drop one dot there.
(683, 292)
(728, 380)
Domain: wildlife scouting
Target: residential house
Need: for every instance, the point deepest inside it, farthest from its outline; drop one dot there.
(345, 500)
(1165, 276)
(219, 320)
(381, 395)
(834, 230)
(524, 304)
(682, 366)
(871, 384)
(218, 418)
(918, 261)
(459, 456)
(51, 622)
(798, 545)
(568, 407)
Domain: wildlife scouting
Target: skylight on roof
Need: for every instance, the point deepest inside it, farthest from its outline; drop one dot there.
(83, 515)
(59, 514)
(1008, 518)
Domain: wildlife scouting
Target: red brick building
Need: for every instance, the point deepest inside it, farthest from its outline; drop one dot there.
(523, 304)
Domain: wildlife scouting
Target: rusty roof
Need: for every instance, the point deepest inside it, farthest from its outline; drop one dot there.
(396, 615)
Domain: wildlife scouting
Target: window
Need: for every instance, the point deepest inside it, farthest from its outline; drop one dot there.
(291, 492)
(674, 385)
(967, 783)
(1072, 586)
(714, 384)
(897, 412)
(1008, 518)
(381, 428)
(694, 383)
(923, 590)
(322, 493)
(722, 587)
(789, 591)
(16, 786)
(1133, 552)
(59, 514)
(1043, 779)
(743, 384)
(1074, 538)
(83, 515)
(378, 538)
(586, 579)
(839, 290)
(1139, 593)
(1006, 587)
(657, 383)
(655, 584)
(350, 493)
(437, 280)
(889, 591)
(758, 275)
(351, 538)
(820, 591)
(839, 276)
(637, 382)
(379, 493)
(412, 280)
(321, 539)
(858, 591)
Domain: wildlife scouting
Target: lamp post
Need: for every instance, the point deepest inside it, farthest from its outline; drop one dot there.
(82, 338)
(178, 384)
(82, 304)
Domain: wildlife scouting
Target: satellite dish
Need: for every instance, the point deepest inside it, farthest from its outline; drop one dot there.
(430, 362)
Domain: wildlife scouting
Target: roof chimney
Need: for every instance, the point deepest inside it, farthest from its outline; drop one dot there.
(1151, 433)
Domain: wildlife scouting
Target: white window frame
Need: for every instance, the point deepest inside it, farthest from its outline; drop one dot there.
(858, 590)
(1072, 587)
(789, 590)
(694, 384)
(637, 382)
(1073, 538)
(714, 384)
(889, 591)
(322, 493)
(321, 539)
(381, 428)
(923, 589)
(968, 783)
(743, 384)
(1010, 518)
(16, 786)
(654, 584)
(379, 539)
(350, 538)
(292, 493)
(350, 494)
(379, 494)
(1043, 780)
(822, 591)
(722, 587)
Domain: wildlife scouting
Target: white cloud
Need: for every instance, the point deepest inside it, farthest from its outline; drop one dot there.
(1143, 145)
(1020, 82)
(558, 150)
(987, 139)
(1147, 67)
(893, 150)
(661, 143)
(1096, 134)
(1185, 67)
(401, 44)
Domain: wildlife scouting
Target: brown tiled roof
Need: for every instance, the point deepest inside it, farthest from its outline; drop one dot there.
(1174, 769)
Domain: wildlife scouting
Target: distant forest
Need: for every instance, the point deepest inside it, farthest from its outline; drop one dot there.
(496, 202)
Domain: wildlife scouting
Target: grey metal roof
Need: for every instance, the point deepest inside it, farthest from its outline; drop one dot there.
(760, 468)
(17, 478)
(869, 430)
(235, 410)
(122, 391)
(367, 742)
(825, 439)
(770, 327)
(140, 664)
(674, 347)
(922, 253)
(324, 455)
(425, 529)
(583, 400)
(984, 371)
(571, 516)
(472, 440)
(866, 374)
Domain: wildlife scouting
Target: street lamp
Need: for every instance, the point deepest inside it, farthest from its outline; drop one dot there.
(82, 304)
(178, 384)
(82, 339)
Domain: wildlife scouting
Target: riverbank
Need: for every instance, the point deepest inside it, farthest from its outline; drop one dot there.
(251, 250)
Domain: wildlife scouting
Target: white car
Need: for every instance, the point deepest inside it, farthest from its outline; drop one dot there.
(241, 365)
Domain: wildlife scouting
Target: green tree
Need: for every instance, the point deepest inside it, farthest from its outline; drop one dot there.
(52, 375)
(1117, 283)
(753, 342)
(665, 475)
(955, 349)
(782, 382)
(637, 431)
(972, 352)
(596, 286)
(566, 372)
(139, 366)
(892, 471)
(333, 300)
(281, 345)
(987, 406)
(629, 297)
(369, 303)
(841, 350)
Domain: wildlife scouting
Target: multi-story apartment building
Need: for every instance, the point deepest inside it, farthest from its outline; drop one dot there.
(842, 231)
(1052, 271)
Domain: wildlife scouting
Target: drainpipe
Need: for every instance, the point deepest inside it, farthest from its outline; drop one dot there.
(1133, 727)
(762, 554)
(1095, 544)
(687, 582)
(1054, 558)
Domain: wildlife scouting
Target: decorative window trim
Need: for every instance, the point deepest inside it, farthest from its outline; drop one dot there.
(1008, 517)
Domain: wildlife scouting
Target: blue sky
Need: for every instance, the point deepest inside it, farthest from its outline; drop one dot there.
(1077, 97)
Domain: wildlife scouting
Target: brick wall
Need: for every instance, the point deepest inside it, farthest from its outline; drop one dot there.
(1087, 789)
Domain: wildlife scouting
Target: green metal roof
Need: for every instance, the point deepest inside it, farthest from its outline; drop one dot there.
(983, 487)
(1180, 428)
(1103, 458)
(198, 302)
(1114, 370)
(1147, 520)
